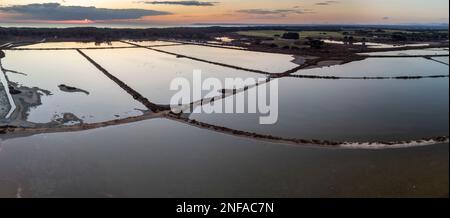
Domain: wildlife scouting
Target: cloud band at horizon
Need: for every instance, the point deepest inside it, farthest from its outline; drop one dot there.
(58, 12)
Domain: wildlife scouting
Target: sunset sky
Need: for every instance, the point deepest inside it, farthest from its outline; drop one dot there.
(226, 11)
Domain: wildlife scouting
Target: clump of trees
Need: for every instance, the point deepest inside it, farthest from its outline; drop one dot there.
(291, 35)
(398, 36)
(349, 39)
(315, 43)
(108, 34)
(208, 33)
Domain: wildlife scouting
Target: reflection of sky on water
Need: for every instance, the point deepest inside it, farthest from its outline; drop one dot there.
(54, 68)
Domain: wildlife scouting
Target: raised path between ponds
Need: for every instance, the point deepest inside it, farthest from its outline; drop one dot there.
(206, 45)
(136, 95)
(438, 61)
(368, 77)
(164, 113)
(201, 60)
(403, 56)
(21, 132)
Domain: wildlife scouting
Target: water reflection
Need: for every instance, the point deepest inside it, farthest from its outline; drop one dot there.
(153, 43)
(348, 110)
(147, 156)
(381, 67)
(151, 72)
(268, 62)
(377, 45)
(60, 45)
(431, 51)
(200, 163)
(41, 100)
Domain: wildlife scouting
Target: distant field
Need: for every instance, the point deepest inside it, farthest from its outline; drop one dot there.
(324, 34)
(321, 34)
(303, 34)
(262, 33)
(279, 42)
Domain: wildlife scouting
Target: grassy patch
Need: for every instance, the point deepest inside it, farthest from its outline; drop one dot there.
(303, 34)
(262, 33)
(321, 34)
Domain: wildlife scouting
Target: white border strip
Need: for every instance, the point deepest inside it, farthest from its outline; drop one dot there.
(10, 99)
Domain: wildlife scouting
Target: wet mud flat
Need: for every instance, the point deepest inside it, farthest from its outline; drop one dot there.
(85, 157)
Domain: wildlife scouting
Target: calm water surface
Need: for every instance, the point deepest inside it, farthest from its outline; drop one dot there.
(273, 63)
(49, 45)
(164, 158)
(169, 159)
(151, 72)
(153, 43)
(362, 110)
(431, 51)
(47, 70)
(376, 67)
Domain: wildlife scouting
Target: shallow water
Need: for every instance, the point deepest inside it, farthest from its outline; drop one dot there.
(165, 158)
(47, 70)
(432, 51)
(224, 39)
(268, 62)
(351, 110)
(199, 163)
(442, 59)
(376, 45)
(381, 67)
(49, 45)
(153, 43)
(151, 73)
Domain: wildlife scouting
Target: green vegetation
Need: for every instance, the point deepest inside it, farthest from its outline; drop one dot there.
(262, 33)
(321, 34)
(277, 39)
(303, 34)
(291, 35)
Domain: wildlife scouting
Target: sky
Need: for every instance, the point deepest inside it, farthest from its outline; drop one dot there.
(176, 12)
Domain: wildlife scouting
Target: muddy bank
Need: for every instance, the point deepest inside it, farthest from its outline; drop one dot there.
(20, 99)
(11, 131)
(24, 98)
